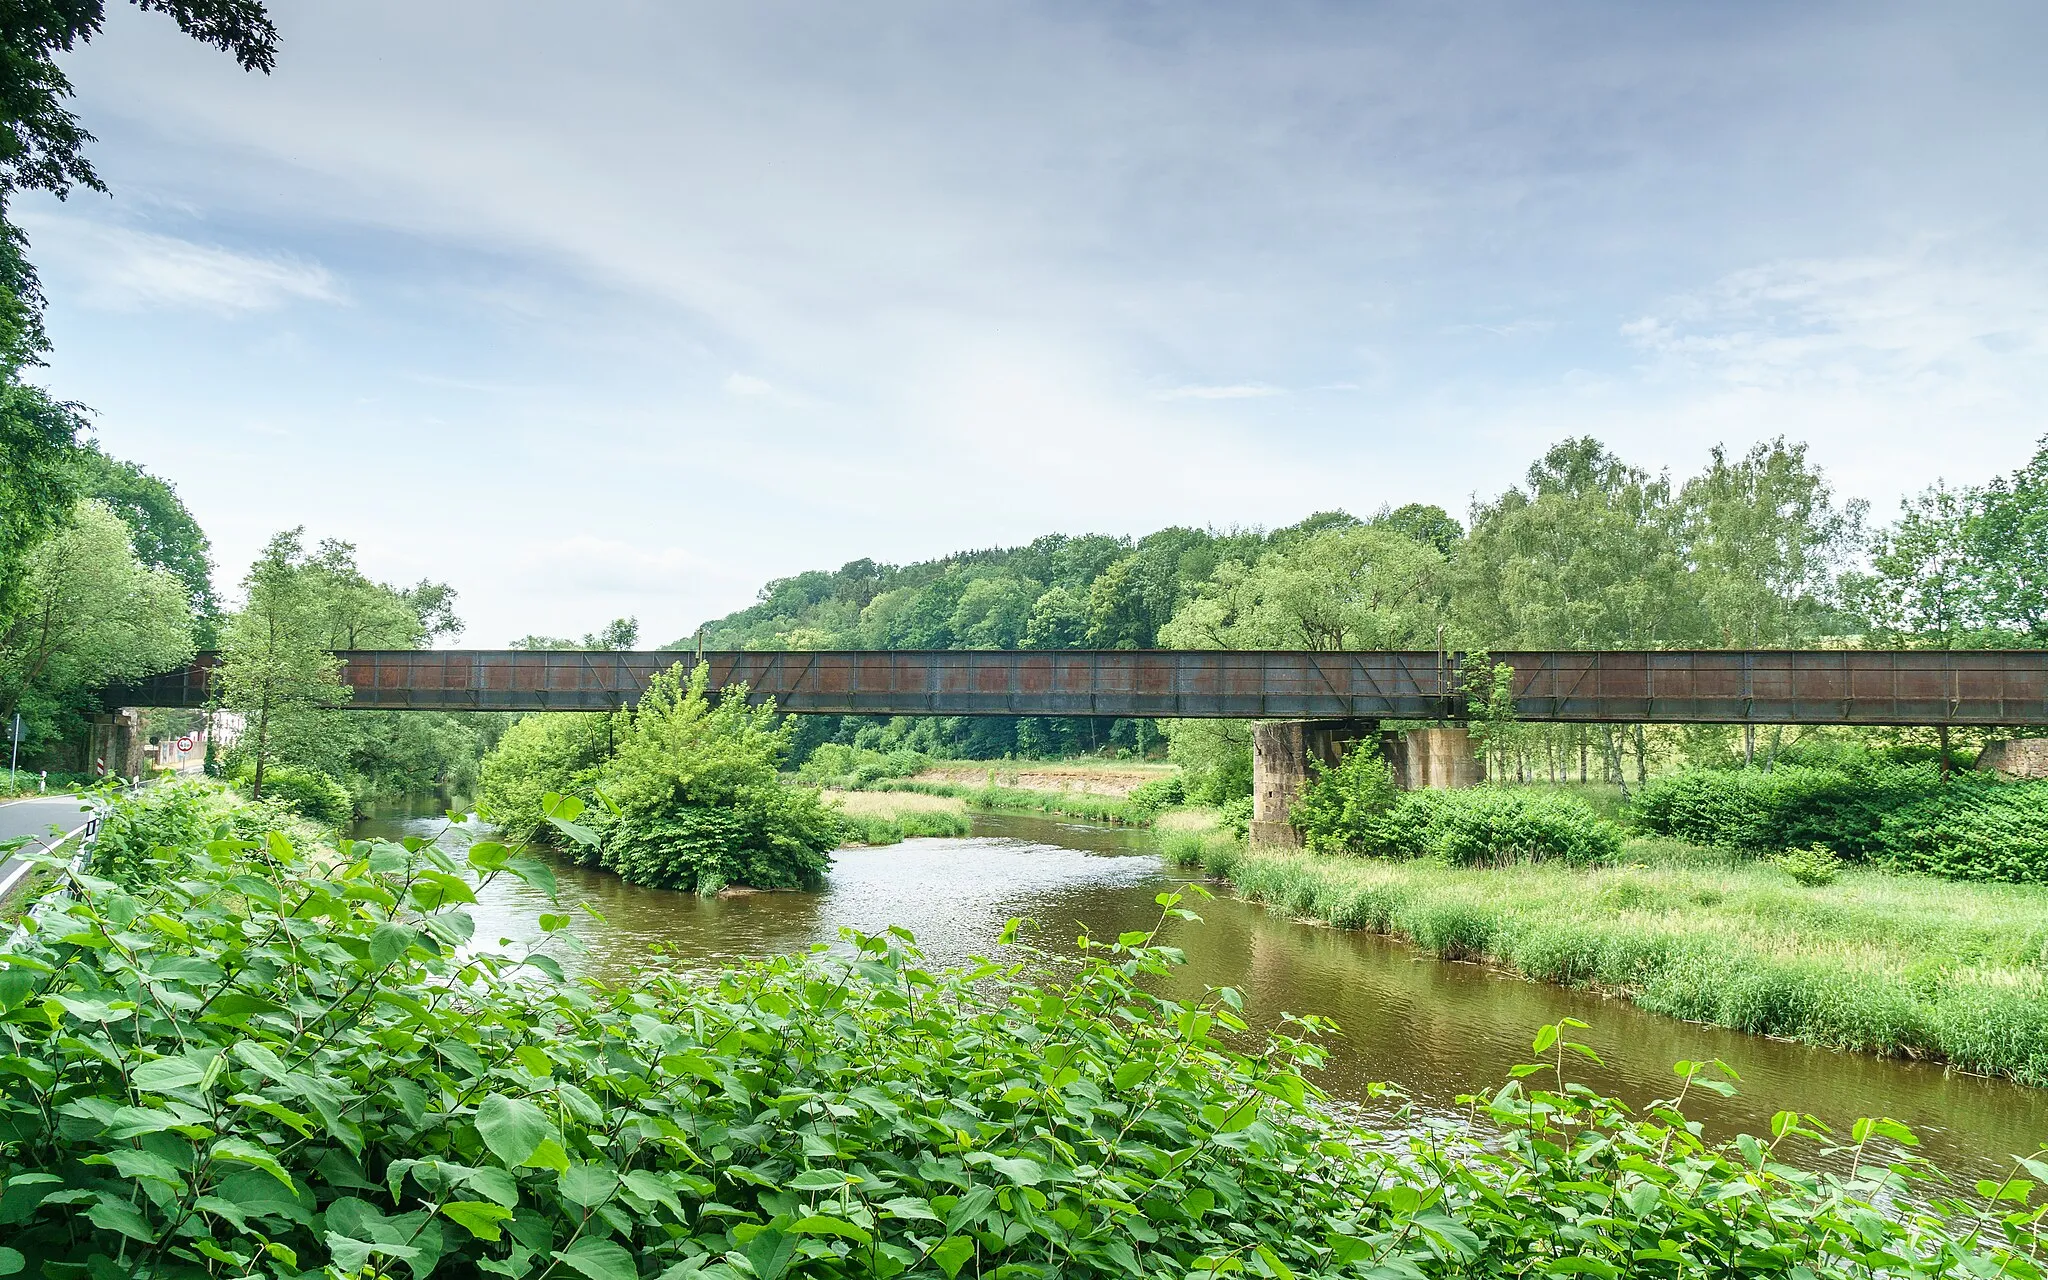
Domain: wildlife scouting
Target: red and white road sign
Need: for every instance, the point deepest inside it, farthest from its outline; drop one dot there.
(187, 742)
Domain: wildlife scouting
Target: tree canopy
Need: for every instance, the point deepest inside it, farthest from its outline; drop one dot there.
(89, 613)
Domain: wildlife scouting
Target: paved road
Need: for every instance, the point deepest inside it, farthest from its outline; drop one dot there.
(34, 818)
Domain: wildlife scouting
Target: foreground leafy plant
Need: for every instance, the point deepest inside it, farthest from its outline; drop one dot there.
(283, 1064)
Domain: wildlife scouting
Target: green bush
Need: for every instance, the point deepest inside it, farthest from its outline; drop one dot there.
(1356, 808)
(143, 836)
(1812, 867)
(306, 792)
(835, 764)
(1840, 806)
(133, 833)
(1500, 824)
(1156, 797)
(1972, 830)
(1341, 808)
(368, 1094)
(552, 752)
(1237, 816)
(695, 800)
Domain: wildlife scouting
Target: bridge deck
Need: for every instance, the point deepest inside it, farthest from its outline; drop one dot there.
(1719, 686)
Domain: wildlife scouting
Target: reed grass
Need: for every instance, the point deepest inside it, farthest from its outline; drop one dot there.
(1067, 804)
(881, 817)
(1898, 965)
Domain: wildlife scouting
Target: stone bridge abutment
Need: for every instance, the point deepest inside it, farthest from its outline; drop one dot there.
(1285, 755)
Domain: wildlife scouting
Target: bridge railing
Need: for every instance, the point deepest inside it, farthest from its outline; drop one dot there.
(1762, 686)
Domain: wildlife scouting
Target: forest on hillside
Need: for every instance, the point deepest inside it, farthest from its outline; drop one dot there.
(1588, 551)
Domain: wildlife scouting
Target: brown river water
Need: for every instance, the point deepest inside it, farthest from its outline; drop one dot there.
(1436, 1029)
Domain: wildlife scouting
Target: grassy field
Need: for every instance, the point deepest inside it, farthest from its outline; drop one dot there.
(1085, 774)
(889, 817)
(1092, 806)
(1896, 965)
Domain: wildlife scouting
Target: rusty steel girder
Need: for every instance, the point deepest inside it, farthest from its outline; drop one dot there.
(1697, 686)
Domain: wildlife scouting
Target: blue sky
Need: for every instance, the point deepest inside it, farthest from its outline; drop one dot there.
(592, 321)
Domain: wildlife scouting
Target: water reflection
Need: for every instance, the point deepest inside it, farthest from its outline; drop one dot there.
(1439, 1029)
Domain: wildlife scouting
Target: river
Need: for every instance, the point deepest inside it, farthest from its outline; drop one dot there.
(1437, 1029)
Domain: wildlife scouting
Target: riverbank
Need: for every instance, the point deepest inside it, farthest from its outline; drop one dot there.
(883, 817)
(1901, 966)
(1113, 778)
(1227, 1154)
(1090, 806)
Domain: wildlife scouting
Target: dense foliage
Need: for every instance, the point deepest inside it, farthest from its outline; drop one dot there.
(173, 818)
(1840, 806)
(276, 1064)
(308, 793)
(690, 784)
(835, 764)
(1971, 831)
(1356, 808)
(278, 669)
(43, 469)
(164, 534)
(541, 755)
(87, 613)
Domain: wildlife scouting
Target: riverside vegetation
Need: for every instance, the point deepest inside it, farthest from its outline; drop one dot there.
(265, 1058)
(1782, 910)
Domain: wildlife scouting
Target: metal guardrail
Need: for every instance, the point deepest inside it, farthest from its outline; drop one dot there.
(1700, 686)
(88, 833)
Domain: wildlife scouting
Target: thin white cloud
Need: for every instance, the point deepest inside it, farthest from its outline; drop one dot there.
(1228, 391)
(122, 269)
(746, 384)
(1907, 323)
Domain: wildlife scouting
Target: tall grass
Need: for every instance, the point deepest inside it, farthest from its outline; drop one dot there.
(1897, 965)
(1117, 810)
(867, 817)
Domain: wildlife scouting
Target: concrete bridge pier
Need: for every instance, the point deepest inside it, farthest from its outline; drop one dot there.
(1420, 759)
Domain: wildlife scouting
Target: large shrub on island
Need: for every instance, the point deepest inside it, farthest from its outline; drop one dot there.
(550, 752)
(694, 800)
(270, 1064)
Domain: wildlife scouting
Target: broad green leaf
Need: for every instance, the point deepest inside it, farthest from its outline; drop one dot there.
(111, 1214)
(536, 873)
(769, 1253)
(818, 1180)
(822, 1224)
(910, 1207)
(512, 1128)
(10, 1261)
(164, 1074)
(952, 1254)
(589, 1185)
(653, 1190)
(236, 1151)
(390, 943)
(599, 1260)
(494, 1184)
(477, 1217)
(548, 1155)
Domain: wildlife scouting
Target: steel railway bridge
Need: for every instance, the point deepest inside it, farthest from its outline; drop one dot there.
(1686, 686)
